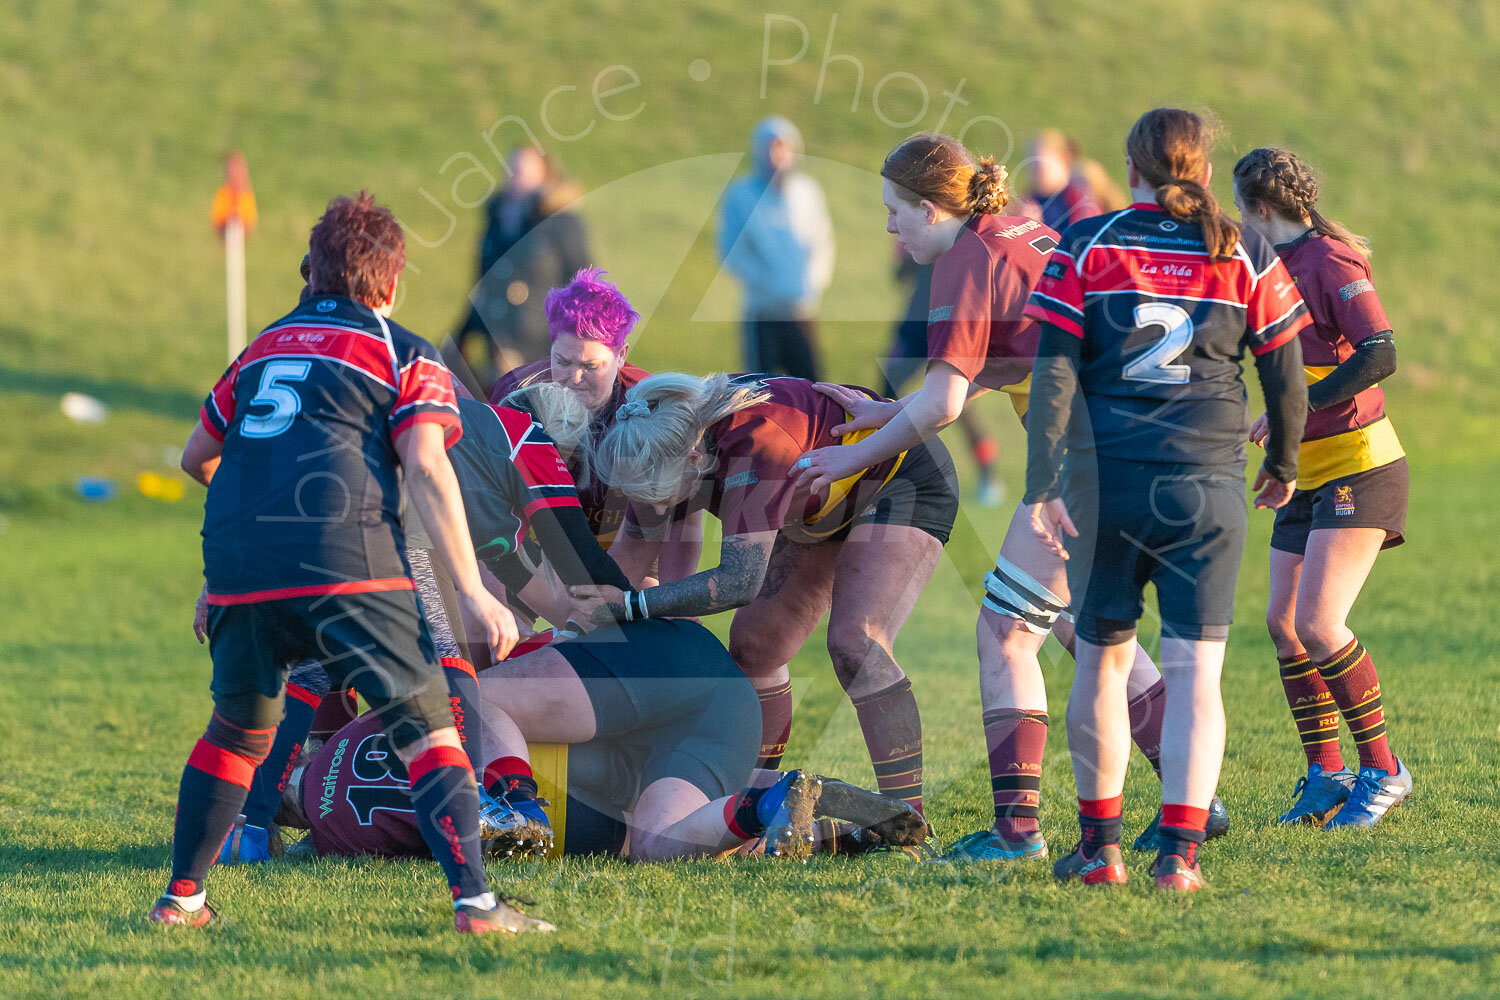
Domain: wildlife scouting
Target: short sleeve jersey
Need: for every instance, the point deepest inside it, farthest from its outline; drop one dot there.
(1335, 282)
(753, 486)
(1164, 329)
(507, 469)
(306, 499)
(357, 798)
(977, 321)
(603, 506)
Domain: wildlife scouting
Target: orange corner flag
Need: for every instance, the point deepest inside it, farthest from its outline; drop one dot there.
(234, 199)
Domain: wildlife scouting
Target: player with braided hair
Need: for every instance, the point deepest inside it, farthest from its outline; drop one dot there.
(944, 204)
(1350, 501)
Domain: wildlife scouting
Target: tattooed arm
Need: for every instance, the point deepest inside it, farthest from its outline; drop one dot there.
(731, 584)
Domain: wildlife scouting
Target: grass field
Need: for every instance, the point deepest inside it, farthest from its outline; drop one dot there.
(117, 115)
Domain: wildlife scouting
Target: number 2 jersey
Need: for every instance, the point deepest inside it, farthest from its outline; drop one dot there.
(1164, 329)
(306, 499)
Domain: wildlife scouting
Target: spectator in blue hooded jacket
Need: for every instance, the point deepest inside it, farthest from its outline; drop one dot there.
(776, 238)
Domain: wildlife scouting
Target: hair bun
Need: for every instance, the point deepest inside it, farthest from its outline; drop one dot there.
(633, 408)
(988, 193)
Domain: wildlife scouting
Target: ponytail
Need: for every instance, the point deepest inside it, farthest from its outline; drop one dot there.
(664, 417)
(1169, 147)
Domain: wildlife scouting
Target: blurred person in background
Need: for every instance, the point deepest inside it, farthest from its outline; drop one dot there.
(520, 258)
(1058, 196)
(908, 355)
(776, 238)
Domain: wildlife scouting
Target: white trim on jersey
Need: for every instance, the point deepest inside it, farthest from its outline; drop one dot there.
(319, 326)
(1067, 308)
(1078, 264)
(390, 347)
(1281, 318)
(1174, 298)
(325, 357)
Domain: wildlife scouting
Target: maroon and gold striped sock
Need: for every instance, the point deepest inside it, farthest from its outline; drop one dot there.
(893, 734)
(1351, 679)
(1015, 740)
(1313, 710)
(775, 724)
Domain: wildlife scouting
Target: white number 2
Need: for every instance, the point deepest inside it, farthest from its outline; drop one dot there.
(1151, 364)
(284, 402)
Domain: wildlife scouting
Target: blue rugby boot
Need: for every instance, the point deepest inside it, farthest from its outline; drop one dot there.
(1375, 793)
(991, 845)
(1319, 795)
(249, 845)
(786, 809)
(1218, 825)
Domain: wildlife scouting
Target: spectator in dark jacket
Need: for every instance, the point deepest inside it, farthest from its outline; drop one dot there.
(532, 242)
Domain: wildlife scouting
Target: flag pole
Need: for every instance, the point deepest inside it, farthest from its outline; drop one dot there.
(234, 282)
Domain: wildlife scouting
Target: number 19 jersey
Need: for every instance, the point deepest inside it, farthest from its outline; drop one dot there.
(306, 497)
(1164, 328)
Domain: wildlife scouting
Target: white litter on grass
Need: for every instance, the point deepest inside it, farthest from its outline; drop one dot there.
(83, 409)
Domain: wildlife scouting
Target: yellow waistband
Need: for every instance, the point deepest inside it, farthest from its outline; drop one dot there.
(840, 490)
(1359, 450)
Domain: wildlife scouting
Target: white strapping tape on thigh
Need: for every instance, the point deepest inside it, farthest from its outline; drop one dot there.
(1011, 591)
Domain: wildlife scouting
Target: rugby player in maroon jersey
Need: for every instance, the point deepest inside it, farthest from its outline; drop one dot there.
(1146, 314)
(303, 444)
(1350, 502)
(661, 736)
(860, 554)
(944, 204)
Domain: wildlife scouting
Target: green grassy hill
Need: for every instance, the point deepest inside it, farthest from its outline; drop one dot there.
(116, 117)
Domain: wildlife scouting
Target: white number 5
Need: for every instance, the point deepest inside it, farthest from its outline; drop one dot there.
(284, 402)
(1151, 364)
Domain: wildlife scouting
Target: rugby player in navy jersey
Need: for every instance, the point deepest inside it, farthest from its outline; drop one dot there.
(304, 444)
(1146, 314)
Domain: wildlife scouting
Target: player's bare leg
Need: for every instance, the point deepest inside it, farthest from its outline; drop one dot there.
(882, 569)
(1099, 739)
(674, 819)
(1192, 754)
(766, 633)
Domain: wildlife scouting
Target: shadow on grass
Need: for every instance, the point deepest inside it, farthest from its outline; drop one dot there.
(113, 392)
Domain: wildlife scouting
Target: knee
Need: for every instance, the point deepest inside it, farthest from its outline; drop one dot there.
(1317, 631)
(1005, 643)
(1281, 624)
(854, 645)
(757, 653)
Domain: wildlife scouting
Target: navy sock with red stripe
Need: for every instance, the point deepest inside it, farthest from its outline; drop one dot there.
(510, 778)
(1100, 821)
(463, 699)
(271, 777)
(446, 801)
(1181, 830)
(742, 814)
(212, 792)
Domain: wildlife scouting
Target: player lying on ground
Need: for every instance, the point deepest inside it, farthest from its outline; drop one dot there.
(944, 205)
(861, 555)
(1350, 502)
(662, 738)
(303, 444)
(1146, 314)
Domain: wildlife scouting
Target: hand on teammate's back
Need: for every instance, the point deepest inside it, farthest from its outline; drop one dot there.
(1272, 493)
(865, 414)
(492, 620)
(594, 605)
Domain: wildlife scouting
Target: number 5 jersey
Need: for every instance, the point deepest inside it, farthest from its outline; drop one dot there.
(306, 499)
